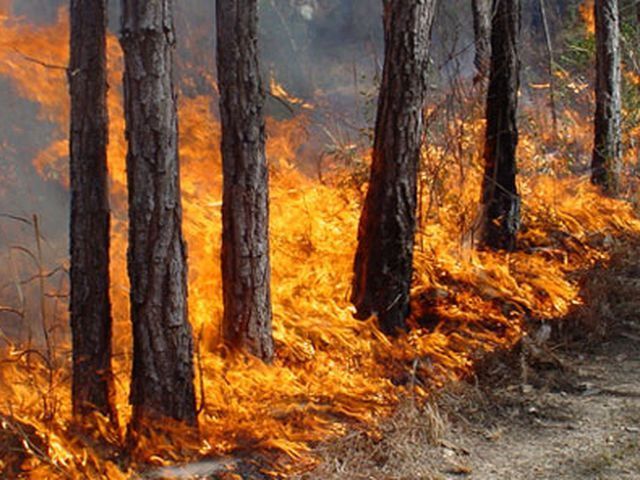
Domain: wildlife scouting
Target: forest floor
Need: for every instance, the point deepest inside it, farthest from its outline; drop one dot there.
(565, 409)
(577, 418)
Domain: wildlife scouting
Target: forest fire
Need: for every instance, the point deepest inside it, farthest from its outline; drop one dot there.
(331, 372)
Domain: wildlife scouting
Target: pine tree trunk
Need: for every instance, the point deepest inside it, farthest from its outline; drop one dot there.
(162, 376)
(90, 308)
(384, 257)
(500, 200)
(606, 160)
(482, 34)
(246, 269)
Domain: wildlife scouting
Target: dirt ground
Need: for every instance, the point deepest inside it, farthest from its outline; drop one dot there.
(579, 419)
(545, 414)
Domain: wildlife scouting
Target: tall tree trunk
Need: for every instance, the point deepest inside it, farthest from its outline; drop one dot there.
(162, 377)
(384, 257)
(246, 270)
(606, 160)
(482, 34)
(500, 200)
(90, 308)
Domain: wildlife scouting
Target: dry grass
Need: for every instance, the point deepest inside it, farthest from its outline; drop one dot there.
(402, 448)
(611, 295)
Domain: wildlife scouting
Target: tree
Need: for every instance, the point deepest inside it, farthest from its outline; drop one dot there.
(500, 200)
(482, 35)
(384, 257)
(246, 270)
(162, 376)
(90, 306)
(606, 159)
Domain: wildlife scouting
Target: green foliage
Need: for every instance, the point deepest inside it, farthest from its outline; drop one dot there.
(579, 52)
(577, 60)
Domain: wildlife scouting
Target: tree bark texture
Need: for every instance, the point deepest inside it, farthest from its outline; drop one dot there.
(162, 376)
(500, 200)
(246, 270)
(606, 160)
(90, 307)
(482, 35)
(384, 256)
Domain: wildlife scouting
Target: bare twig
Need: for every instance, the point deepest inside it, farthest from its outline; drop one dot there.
(43, 311)
(203, 398)
(281, 101)
(37, 276)
(17, 430)
(27, 354)
(15, 311)
(15, 217)
(40, 62)
(26, 251)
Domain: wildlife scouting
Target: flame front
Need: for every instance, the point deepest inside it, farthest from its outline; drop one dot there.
(588, 16)
(331, 371)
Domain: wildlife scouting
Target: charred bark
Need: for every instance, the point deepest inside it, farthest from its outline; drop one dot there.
(90, 307)
(162, 376)
(500, 200)
(482, 35)
(606, 159)
(383, 262)
(246, 269)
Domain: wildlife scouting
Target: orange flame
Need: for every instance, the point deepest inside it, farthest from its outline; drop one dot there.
(588, 15)
(331, 370)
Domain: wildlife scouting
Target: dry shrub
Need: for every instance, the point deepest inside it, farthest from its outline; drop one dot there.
(611, 298)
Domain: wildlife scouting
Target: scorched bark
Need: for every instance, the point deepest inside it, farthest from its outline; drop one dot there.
(606, 160)
(162, 376)
(383, 263)
(246, 268)
(500, 200)
(90, 307)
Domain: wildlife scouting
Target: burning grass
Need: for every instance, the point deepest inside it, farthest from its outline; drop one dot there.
(331, 372)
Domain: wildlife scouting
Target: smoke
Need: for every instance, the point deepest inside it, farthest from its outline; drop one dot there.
(327, 52)
(38, 11)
